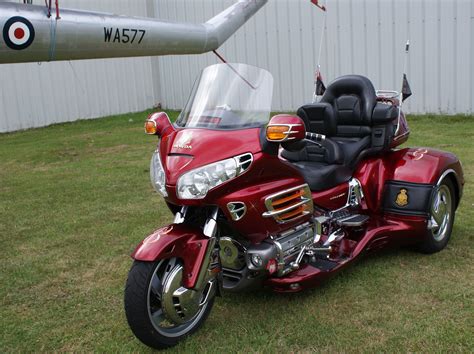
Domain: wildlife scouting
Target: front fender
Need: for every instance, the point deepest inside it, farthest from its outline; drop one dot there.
(177, 240)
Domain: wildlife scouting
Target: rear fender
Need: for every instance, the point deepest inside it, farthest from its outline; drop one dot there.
(180, 241)
(414, 169)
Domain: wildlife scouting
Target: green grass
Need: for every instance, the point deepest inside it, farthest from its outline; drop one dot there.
(75, 199)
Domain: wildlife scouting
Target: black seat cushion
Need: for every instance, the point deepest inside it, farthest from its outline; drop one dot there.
(353, 99)
(321, 176)
(319, 118)
(327, 151)
(352, 148)
(344, 115)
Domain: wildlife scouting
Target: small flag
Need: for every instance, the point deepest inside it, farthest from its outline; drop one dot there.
(316, 2)
(320, 87)
(406, 90)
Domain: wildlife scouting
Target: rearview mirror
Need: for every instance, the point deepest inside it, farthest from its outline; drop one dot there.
(158, 124)
(286, 128)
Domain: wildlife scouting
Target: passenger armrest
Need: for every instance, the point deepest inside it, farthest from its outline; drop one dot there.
(384, 113)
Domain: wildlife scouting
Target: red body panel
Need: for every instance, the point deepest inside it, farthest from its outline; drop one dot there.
(296, 127)
(403, 132)
(179, 241)
(268, 174)
(416, 165)
(188, 149)
(380, 234)
(162, 122)
(185, 150)
(332, 199)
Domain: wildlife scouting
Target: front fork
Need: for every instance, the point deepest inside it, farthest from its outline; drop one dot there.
(210, 272)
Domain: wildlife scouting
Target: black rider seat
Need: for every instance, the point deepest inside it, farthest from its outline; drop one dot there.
(345, 115)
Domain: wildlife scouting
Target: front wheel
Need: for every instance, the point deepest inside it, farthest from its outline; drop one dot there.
(159, 310)
(442, 218)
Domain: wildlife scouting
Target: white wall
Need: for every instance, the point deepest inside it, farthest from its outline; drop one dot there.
(33, 95)
(363, 36)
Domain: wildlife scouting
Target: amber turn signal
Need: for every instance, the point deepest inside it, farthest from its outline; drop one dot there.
(277, 132)
(150, 127)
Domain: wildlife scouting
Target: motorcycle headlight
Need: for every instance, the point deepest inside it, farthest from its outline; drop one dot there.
(197, 183)
(157, 174)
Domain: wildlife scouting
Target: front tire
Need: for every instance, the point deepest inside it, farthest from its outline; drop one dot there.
(148, 309)
(442, 218)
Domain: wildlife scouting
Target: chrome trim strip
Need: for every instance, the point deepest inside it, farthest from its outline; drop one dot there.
(306, 198)
(387, 94)
(181, 215)
(445, 173)
(234, 213)
(273, 213)
(288, 132)
(401, 136)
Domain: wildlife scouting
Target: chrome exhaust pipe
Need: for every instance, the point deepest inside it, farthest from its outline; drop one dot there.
(30, 35)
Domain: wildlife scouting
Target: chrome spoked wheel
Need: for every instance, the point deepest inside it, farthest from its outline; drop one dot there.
(440, 225)
(159, 310)
(441, 212)
(174, 310)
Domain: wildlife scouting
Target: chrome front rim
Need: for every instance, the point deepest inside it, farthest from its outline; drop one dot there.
(441, 212)
(164, 314)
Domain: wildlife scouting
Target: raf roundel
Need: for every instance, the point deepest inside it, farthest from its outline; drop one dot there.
(18, 33)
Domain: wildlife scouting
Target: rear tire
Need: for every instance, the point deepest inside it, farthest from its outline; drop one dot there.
(443, 207)
(141, 296)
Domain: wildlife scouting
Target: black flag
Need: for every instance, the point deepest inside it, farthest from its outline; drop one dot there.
(320, 88)
(406, 90)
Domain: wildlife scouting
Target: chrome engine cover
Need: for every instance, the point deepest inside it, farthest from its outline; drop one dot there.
(284, 248)
(232, 253)
(291, 243)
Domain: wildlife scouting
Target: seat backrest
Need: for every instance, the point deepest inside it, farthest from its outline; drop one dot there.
(319, 118)
(353, 99)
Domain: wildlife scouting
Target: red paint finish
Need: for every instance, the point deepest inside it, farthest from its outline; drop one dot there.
(163, 123)
(403, 132)
(380, 234)
(332, 199)
(202, 147)
(179, 241)
(267, 176)
(295, 125)
(183, 150)
(416, 165)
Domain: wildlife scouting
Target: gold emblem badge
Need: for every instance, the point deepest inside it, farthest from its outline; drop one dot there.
(402, 198)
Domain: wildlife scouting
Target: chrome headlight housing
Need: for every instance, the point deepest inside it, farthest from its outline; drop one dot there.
(197, 183)
(157, 174)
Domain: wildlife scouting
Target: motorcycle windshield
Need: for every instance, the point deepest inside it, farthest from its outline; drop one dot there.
(229, 97)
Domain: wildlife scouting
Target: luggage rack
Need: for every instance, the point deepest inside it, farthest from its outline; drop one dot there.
(387, 94)
(390, 97)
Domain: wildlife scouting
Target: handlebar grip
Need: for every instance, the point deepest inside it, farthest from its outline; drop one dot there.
(315, 137)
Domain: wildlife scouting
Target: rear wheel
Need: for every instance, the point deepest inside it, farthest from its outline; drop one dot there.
(159, 310)
(442, 218)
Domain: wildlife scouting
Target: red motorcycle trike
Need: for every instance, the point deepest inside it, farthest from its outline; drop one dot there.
(283, 203)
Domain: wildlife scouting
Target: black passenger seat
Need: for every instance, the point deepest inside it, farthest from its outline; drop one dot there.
(355, 124)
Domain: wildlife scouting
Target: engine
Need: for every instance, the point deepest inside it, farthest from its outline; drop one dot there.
(242, 266)
(284, 248)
